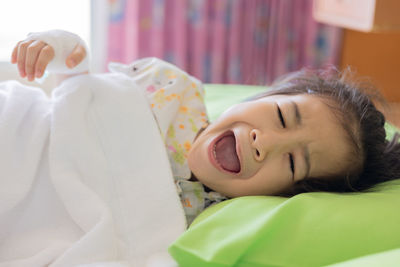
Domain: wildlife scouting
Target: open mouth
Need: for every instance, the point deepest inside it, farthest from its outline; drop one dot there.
(225, 154)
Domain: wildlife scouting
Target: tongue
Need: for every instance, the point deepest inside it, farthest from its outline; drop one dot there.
(225, 151)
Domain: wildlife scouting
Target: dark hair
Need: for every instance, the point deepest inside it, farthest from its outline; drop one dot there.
(374, 159)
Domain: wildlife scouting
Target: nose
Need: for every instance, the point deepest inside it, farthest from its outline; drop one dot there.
(263, 144)
(256, 147)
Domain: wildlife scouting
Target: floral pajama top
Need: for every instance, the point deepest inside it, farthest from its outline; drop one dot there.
(177, 102)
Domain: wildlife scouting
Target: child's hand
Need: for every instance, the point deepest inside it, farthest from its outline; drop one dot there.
(32, 58)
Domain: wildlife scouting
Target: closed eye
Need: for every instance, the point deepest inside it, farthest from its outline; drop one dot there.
(281, 117)
(291, 164)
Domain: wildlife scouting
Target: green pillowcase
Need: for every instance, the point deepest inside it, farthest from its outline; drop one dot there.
(312, 229)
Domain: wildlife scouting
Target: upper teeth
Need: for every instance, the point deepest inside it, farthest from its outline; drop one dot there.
(215, 153)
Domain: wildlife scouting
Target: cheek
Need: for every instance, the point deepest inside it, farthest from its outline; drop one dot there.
(193, 155)
(198, 157)
(271, 179)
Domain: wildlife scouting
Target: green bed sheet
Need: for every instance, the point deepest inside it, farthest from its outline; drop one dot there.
(311, 229)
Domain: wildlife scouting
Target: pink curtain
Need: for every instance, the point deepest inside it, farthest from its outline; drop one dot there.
(223, 41)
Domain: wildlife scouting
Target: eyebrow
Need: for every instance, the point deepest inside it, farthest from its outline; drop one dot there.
(306, 152)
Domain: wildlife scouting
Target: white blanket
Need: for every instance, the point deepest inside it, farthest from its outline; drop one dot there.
(85, 178)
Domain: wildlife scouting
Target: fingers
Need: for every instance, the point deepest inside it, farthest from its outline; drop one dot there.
(22, 46)
(15, 53)
(76, 56)
(45, 56)
(32, 55)
(32, 58)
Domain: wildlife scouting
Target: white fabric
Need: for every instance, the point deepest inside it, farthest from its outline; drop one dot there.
(63, 43)
(177, 101)
(85, 178)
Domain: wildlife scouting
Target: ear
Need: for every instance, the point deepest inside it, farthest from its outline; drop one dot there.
(117, 67)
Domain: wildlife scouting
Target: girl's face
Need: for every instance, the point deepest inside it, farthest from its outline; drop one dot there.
(263, 147)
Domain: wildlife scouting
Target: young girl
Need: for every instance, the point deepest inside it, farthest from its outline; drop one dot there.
(309, 132)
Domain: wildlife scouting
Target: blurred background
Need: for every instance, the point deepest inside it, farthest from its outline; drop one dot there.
(225, 41)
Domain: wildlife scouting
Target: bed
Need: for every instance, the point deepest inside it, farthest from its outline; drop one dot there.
(313, 229)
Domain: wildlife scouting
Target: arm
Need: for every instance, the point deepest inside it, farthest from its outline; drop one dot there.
(33, 56)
